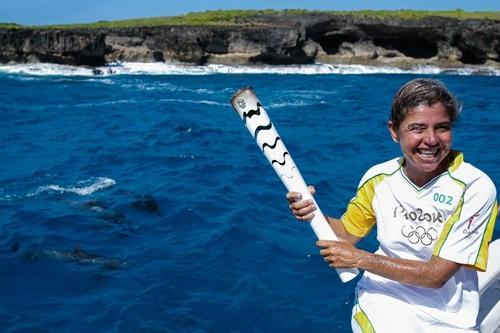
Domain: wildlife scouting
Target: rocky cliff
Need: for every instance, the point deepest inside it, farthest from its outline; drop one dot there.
(273, 39)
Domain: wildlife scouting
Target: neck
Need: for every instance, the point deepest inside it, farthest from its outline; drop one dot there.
(420, 178)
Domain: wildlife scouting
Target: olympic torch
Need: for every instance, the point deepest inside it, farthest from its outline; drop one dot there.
(251, 111)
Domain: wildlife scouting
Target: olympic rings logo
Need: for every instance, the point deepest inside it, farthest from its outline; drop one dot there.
(419, 234)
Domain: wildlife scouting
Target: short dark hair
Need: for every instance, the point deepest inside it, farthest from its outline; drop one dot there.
(426, 92)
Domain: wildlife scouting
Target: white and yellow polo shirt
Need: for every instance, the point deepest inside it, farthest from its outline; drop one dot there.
(452, 217)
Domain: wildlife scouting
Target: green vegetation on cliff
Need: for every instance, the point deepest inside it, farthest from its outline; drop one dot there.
(240, 17)
(10, 26)
(422, 14)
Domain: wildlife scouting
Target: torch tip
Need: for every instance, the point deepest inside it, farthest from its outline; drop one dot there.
(241, 91)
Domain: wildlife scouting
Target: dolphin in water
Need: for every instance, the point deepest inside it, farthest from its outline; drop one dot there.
(103, 212)
(79, 256)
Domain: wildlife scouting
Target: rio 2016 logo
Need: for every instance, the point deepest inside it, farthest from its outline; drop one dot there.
(418, 215)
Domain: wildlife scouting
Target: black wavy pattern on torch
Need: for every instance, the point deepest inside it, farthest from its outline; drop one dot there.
(262, 127)
(268, 145)
(284, 161)
(251, 113)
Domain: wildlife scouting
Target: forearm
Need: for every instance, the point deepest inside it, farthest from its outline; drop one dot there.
(432, 274)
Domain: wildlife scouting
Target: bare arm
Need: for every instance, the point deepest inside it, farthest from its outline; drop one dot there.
(339, 229)
(343, 254)
(432, 274)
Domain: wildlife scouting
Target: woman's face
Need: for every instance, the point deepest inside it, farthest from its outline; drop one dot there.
(425, 137)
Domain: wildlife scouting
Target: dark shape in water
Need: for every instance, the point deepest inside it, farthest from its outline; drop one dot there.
(104, 212)
(147, 203)
(78, 256)
(15, 246)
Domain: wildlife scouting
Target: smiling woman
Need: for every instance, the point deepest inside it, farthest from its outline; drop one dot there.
(435, 216)
(422, 116)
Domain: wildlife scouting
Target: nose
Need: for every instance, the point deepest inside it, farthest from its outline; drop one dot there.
(431, 138)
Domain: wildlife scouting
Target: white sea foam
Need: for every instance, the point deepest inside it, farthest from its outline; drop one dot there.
(128, 68)
(8, 197)
(179, 100)
(46, 70)
(295, 104)
(114, 102)
(82, 188)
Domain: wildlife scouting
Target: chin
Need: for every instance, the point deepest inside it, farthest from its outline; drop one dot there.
(429, 169)
(430, 166)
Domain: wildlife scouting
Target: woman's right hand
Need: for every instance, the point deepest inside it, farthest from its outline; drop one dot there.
(303, 210)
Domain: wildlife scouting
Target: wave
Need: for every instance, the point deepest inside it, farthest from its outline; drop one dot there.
(82, 188)
(46, 70)
(128, 68)
(179, 100)
(296, 104)
(120, 101)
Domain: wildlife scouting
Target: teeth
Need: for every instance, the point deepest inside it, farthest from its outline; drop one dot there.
(428, 152)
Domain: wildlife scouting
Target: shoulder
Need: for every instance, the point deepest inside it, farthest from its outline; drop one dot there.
(382, 170)
(473, 179)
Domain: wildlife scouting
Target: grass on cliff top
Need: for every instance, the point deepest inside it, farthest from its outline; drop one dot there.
(235, 17)
(10, 26)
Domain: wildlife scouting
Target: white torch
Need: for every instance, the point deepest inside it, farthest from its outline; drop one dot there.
(251, 111)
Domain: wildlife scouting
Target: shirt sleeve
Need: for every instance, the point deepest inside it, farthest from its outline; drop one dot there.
(359, 217)
(468, 232)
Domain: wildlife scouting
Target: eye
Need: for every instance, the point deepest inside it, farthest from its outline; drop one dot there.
(443, 128)
(417, 129)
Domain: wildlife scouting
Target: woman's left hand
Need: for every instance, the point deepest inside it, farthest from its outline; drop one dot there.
(339, 254)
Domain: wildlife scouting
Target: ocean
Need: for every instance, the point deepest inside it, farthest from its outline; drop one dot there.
(135, 200)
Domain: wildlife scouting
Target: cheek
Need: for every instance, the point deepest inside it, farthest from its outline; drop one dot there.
(447, 138)
(409, 141)
(407, 148)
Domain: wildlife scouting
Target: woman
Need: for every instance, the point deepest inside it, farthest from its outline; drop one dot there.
(434, 214)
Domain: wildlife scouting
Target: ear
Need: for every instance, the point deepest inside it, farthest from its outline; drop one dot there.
(393, 131)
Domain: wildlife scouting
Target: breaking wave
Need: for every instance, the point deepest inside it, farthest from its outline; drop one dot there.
(128, 68)
(82, 188)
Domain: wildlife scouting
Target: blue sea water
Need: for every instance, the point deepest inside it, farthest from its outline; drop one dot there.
(140, 203)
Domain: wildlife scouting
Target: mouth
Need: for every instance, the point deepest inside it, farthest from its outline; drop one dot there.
(428, 154)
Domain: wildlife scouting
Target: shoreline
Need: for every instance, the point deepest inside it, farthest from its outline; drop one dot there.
(161, 68)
